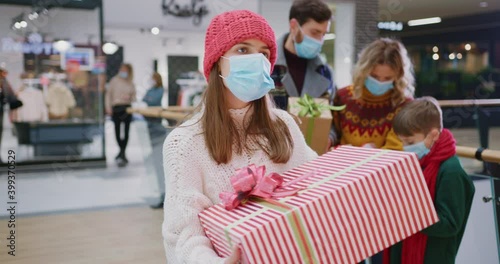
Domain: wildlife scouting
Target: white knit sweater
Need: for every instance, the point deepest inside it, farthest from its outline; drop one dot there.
(193, 181)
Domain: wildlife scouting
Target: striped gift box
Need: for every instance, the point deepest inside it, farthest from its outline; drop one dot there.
(359, 202)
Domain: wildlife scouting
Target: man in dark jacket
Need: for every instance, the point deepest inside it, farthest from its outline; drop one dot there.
(299, 69)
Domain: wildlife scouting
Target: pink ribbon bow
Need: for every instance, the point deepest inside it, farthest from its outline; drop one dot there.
(252, 181)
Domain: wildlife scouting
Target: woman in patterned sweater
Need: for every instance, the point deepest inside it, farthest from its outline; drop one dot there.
(383, 82)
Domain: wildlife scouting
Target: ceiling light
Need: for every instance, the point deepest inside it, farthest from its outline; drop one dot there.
(390, 25)
(424, 21)
(459, 56)
(435, 49)
(451, 56)
(468, 47)
(23, 24)
(155, 31)
(329, 36)
(33, 16)
(109, 48)
(399, 27)
(483, 4)
(62, 46)
(17, 25)
(435, 56)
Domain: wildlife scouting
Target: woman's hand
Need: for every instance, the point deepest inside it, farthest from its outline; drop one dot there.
(235, 256)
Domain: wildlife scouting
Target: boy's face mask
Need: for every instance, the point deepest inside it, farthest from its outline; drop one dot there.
(418, 148)
(424, 143)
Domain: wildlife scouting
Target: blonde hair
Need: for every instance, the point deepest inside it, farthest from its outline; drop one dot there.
(392, 53)
(419, 116)
(221, 135)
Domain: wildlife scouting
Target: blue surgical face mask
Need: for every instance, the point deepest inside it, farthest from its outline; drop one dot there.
(309, 48)
(249, 77)
(376, 87)
(418, 148)
(123, 74)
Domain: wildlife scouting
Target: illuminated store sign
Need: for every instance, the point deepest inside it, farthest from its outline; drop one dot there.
(34, 45)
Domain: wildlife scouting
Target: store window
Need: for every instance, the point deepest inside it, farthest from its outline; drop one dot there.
(455, 70)
(52, 62)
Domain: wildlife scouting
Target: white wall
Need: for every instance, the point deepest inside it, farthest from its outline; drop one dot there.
(344, 43)
(276, 13)
(128, 14)
(142, 49)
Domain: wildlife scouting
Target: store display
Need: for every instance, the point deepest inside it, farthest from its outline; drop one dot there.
(78, 59)
(192, 85)
(59, 98)
(34, 108)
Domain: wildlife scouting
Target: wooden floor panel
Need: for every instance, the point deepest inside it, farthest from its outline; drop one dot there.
(114, 236)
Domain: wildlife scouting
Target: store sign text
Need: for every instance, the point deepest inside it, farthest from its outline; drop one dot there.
(34, 45)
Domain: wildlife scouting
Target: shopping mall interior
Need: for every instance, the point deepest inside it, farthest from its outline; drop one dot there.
(76, 198)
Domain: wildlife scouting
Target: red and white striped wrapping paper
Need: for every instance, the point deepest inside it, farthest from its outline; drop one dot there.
(360, 202)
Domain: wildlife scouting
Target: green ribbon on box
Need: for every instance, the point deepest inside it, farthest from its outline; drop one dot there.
(294, 219)
(310, 108)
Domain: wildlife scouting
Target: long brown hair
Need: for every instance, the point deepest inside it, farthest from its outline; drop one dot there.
(390, 52)
(221, 135)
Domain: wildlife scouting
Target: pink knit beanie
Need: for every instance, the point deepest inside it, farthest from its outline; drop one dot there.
(230, 28)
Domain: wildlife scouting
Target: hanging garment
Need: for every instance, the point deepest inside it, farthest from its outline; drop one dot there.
(34, 108)
(59, 100)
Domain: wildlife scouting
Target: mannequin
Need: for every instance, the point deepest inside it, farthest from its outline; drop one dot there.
(59, 98)
(34, 108)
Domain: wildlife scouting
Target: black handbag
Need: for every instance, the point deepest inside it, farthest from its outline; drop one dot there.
(15, 103)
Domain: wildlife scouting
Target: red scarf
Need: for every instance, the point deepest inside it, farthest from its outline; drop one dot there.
(413, 251)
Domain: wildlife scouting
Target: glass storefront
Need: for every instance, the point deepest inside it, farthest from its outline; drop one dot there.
(54, 66)
(454, 70)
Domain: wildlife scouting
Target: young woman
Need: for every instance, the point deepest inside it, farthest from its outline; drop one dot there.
(237, 125)
(383, 82)
(155, 93)
(120, 95)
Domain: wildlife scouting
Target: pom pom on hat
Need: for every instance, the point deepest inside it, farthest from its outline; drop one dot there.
(230, 28)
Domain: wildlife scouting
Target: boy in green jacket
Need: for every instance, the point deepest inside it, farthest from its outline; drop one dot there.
(419, 125)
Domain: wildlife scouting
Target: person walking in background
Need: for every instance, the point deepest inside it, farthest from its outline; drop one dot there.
(299, 69)
(156, 130)
(153, 98)
(155, 93)
(382, 83)
(119, 96)
(7, 97)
